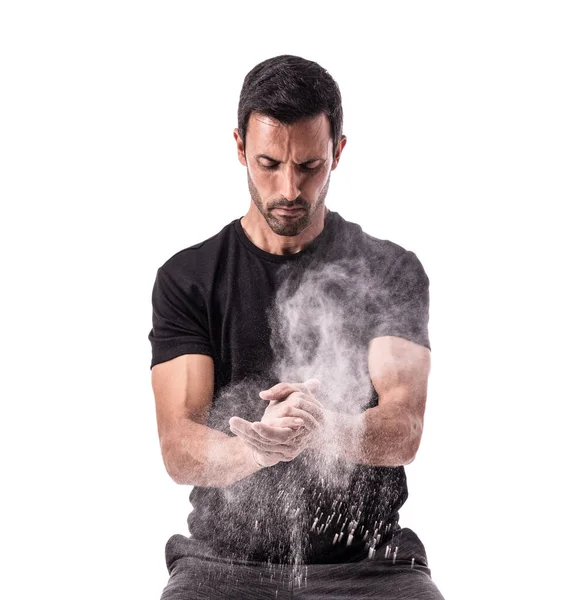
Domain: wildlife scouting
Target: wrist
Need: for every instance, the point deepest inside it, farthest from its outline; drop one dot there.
(340, 433)
(323, 435)
(255, 459)
(247, 454)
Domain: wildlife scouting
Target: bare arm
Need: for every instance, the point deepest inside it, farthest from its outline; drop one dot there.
(386, 435)
(193, 453)
(390, 433)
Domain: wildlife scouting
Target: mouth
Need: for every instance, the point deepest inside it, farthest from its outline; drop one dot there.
(290, 212)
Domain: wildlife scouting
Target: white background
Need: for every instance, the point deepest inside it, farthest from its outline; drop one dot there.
(465, 144)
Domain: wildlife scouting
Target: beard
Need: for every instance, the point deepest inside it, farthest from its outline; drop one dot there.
(284, 226)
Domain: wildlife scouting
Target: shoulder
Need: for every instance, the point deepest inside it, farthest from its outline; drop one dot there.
(380, 253)
(202, 256)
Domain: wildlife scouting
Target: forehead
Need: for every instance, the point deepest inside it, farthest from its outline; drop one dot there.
(312, 135)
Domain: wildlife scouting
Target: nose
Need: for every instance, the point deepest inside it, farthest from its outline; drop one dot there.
(290, 183)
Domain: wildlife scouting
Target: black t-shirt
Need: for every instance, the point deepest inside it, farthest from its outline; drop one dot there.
(266, 318)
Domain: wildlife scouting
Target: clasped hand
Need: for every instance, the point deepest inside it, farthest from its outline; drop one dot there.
(291, 423)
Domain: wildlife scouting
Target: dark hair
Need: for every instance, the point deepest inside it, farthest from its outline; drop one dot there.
(289, 88)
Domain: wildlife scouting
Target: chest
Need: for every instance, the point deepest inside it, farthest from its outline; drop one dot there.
(239, 306)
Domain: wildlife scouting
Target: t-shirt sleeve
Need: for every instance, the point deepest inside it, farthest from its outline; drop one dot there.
(179, 323)
(403, 309)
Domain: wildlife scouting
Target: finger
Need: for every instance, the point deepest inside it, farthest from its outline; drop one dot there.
(313, 385)
(311, 410)
(310, 386)
(307, 395)
(291, 409)
(266, 453)
(243, 427)
(282, 390)
(298, 432)
(278, 435)
(268, 433)
(291, 422)
(286, 391)
(294, 444)
(312, 398)
(256, 441)
(240, 423)
(282, 450)
(246, 430)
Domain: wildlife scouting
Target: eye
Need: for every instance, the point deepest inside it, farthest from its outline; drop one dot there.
(311, 166)
(270, 166)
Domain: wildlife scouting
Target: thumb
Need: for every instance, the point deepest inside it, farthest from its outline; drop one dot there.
(277, 392)
(313, 385)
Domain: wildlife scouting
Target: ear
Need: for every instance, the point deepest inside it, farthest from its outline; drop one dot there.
(338, 152)
(240, 148)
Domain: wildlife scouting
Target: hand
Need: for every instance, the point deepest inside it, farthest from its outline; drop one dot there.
(293, 400)
(289, 424)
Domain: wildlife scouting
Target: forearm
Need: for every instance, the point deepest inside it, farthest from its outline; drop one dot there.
(199, 455)
(376, 437)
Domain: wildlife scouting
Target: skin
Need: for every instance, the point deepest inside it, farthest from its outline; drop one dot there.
(288, 166)
(281, 173)
(386, 435)
(276, 438)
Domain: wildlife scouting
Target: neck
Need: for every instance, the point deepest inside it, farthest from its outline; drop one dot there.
(260, 233)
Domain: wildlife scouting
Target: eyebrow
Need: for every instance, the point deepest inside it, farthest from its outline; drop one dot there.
(308, 160)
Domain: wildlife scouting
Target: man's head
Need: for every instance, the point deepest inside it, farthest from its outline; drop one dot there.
(290, 138)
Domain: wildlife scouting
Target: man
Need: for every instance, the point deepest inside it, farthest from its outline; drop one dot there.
(290, 365)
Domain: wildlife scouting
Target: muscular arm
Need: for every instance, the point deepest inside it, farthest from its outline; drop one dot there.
(386, 435)
(390, 433)
(193, 453)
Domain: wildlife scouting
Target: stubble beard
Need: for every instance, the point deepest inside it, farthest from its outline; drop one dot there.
(284, 226)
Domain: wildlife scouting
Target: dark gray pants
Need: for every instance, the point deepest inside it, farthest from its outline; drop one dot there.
(407, 578)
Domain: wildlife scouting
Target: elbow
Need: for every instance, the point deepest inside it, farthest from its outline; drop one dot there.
(167, 450)
(171, 466)
(184, 470)
(404, 440)
(409, 442)
(409, 456)
(412, 442)
(402, 453)
(405, 456)
(175, 473)
(180, 474)
(176, 467)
